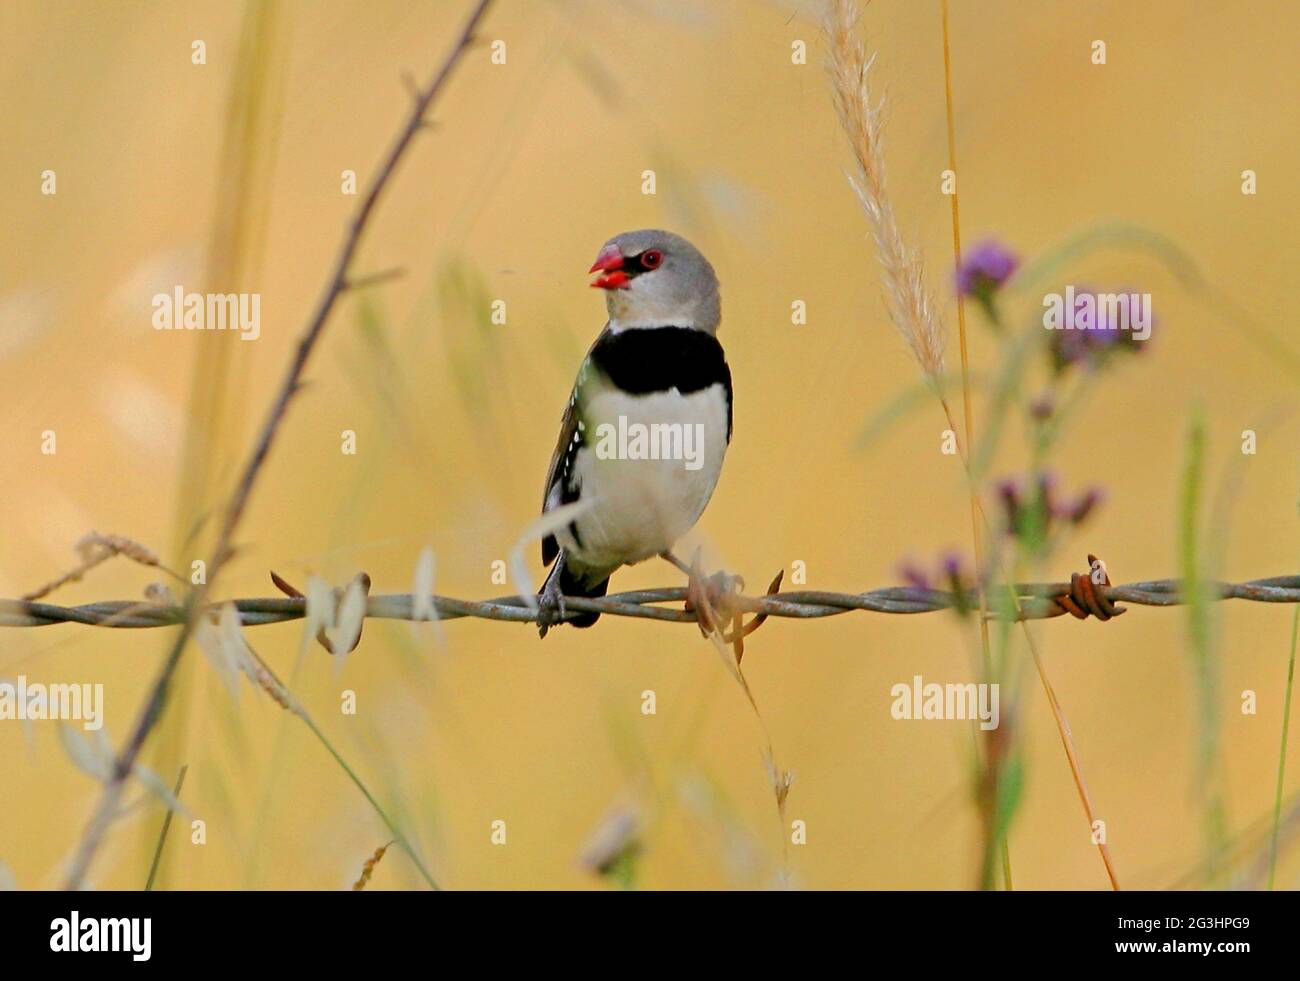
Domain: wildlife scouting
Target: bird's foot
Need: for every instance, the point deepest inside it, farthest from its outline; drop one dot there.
(550, 606)
(710, 597)
(713, 599)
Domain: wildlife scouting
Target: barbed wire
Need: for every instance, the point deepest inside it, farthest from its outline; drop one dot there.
(1080, 597)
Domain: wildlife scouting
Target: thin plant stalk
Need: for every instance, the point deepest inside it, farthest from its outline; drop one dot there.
(162, 835)
(235, 251)
(1281, 756)
(1209, 789)
(277, 689)
(969, 415)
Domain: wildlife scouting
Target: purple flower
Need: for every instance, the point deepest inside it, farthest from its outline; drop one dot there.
(1089, 346)
(953, 575)
(1077, 512)
(1009, 491)
(1034, 509)
(984, 268)
(914, 575)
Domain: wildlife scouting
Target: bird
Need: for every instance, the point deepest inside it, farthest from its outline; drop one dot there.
(647, 425)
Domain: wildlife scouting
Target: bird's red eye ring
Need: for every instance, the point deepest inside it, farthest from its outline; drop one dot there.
(652, 258)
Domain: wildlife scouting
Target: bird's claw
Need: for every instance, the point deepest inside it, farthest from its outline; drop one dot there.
(550, 606)
(710, 597)
(717, 593)
(714, 600)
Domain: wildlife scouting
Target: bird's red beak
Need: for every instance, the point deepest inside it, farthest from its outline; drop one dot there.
(609, 262)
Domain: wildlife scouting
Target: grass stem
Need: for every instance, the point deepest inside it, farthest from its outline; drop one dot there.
(162, 835)
(1281, 756)
(968, 414)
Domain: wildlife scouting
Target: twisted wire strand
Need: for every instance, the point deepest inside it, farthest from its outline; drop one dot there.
(1038, 601)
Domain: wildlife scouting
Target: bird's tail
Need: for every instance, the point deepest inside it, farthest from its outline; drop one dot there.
(574, 585)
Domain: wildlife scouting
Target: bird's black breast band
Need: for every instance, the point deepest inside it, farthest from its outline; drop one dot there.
(641, 360)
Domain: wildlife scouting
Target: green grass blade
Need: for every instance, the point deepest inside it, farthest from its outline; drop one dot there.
(1281, 756)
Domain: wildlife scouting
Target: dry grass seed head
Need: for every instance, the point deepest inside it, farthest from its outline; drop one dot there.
(910, 305)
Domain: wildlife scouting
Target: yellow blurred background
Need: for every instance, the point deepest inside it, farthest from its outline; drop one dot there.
(227, 176)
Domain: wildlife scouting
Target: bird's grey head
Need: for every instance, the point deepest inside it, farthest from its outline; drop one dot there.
(654, 278)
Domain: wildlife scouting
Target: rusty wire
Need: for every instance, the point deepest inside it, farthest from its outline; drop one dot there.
(1080, 597)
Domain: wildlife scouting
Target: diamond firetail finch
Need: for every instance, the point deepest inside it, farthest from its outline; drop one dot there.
(657, 377)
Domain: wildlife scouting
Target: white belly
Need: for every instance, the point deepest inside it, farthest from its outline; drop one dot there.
(650, 465)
